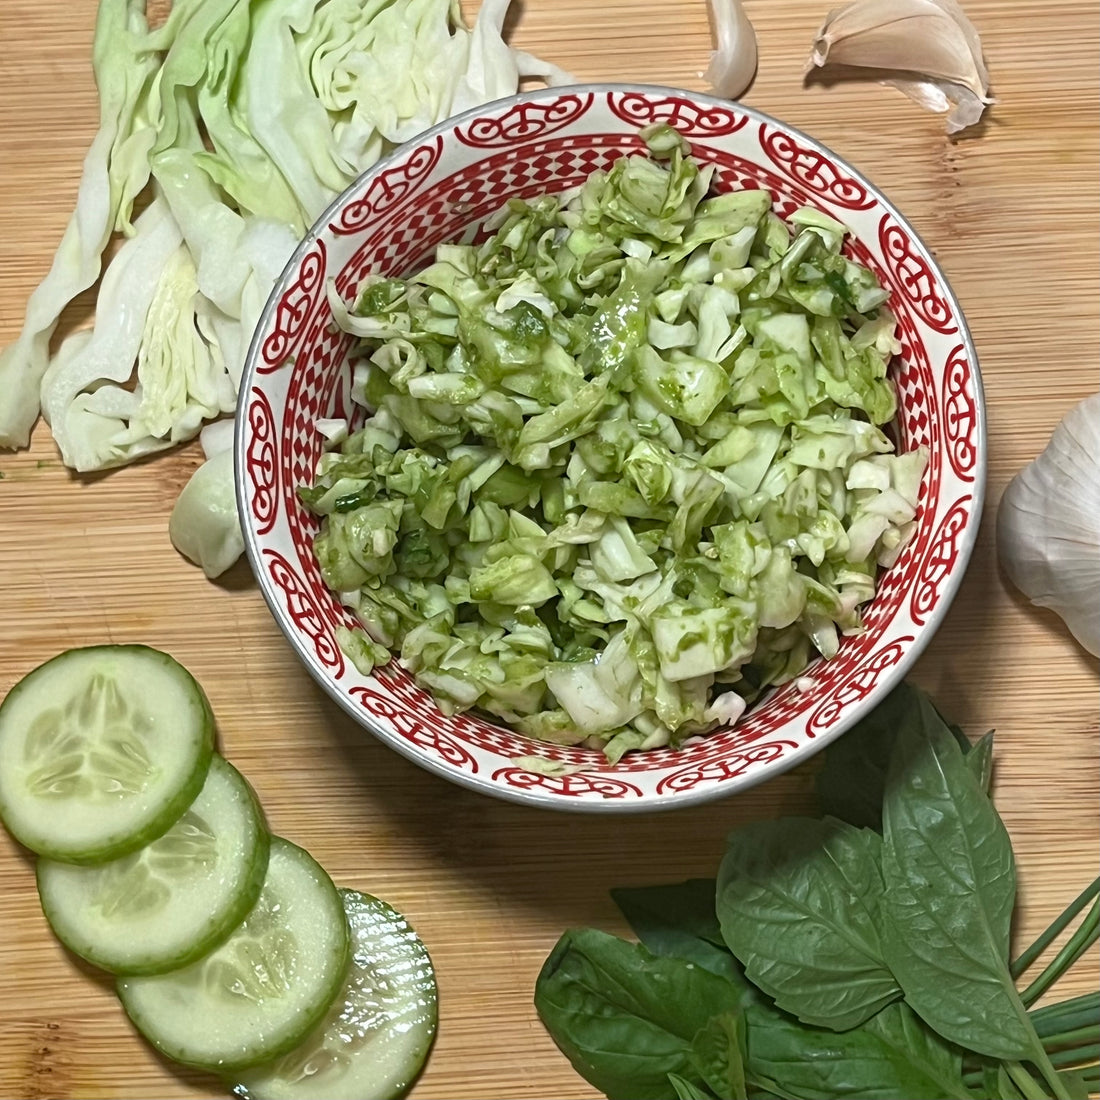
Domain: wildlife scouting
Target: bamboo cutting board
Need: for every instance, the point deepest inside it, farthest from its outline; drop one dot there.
(1011, 211)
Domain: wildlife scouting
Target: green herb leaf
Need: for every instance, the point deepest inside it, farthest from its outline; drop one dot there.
(679, 920)
(798, 902)
(850, 785)
(718, 1053)
(891, 1056)
(624, 1017)
(979, 759)
(950, 889)
(687, 1090)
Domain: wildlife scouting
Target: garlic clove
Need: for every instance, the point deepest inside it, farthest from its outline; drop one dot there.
(930, 44)
(733, 62)
(964, 106)
(1048, 525)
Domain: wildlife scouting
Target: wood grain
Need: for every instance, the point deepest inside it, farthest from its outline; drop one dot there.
(1010, 211)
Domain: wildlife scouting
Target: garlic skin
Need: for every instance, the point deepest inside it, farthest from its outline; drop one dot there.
(733, 63)
(930, 44)
(1048, 525)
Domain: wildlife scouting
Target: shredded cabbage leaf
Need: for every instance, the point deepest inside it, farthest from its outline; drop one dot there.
(238, 123)
(623, 465)
(116, 169)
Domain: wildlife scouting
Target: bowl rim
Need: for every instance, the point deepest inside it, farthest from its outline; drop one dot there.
(648, 803)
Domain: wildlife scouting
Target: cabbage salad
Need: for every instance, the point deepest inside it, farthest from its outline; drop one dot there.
(624, 465)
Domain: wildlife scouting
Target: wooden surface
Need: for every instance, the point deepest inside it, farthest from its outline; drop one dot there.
(1011, 211)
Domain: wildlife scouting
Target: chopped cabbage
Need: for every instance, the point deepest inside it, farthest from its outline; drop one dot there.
(241, 122)
(116, 168)
(623, 465)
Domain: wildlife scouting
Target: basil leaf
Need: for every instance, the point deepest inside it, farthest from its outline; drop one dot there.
(950, 888)
(624, 1017)
(798, 903)
(979, 759)
(678, 919)
(687, 1090)
(893, 1055)
(718, 1054)
(852, 780)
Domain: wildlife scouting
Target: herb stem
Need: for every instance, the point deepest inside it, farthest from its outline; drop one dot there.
(1068, 1059)
(1085, 936)
(1044, 1065)
(1055, 929)
(1089, 1034)
(1066, 1015)
(1083, 1059)
(1023, 1080)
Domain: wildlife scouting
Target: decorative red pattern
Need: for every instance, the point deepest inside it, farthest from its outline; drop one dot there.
(919, 426)
(303, 611)
(401, 685)
(912, 276)
(734, 173)
(918, 414)
(409, 236)
(783, 705)
(692, 119)
(397, 226)
(310, 384)
(960, 414)
(414, 730)
(856, 687)
(891, 588)
(724, 767)
(572, 786)
(477, 191)
(389, 188)
(497, 739)
(813, 170)
(336, 398)
(294, 309)
(939, 561)
(525, 121)
(261, 463)
(476, 731)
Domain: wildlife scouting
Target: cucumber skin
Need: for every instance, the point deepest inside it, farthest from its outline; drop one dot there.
(355, 901)
(216, 936)
(305, 1025)
(174, 808)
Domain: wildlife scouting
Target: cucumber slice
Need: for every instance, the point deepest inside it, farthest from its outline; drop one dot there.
(258, 994)
(171, 902)
(101, 750)
(379, 1030)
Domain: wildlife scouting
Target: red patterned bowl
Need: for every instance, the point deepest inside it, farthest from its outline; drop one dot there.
(445, 183)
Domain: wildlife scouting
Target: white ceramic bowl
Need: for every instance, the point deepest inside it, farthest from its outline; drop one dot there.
(443, 185)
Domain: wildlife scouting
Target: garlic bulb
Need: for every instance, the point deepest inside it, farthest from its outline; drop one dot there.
(1048, 525)
(930, 44)
(733, 63)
